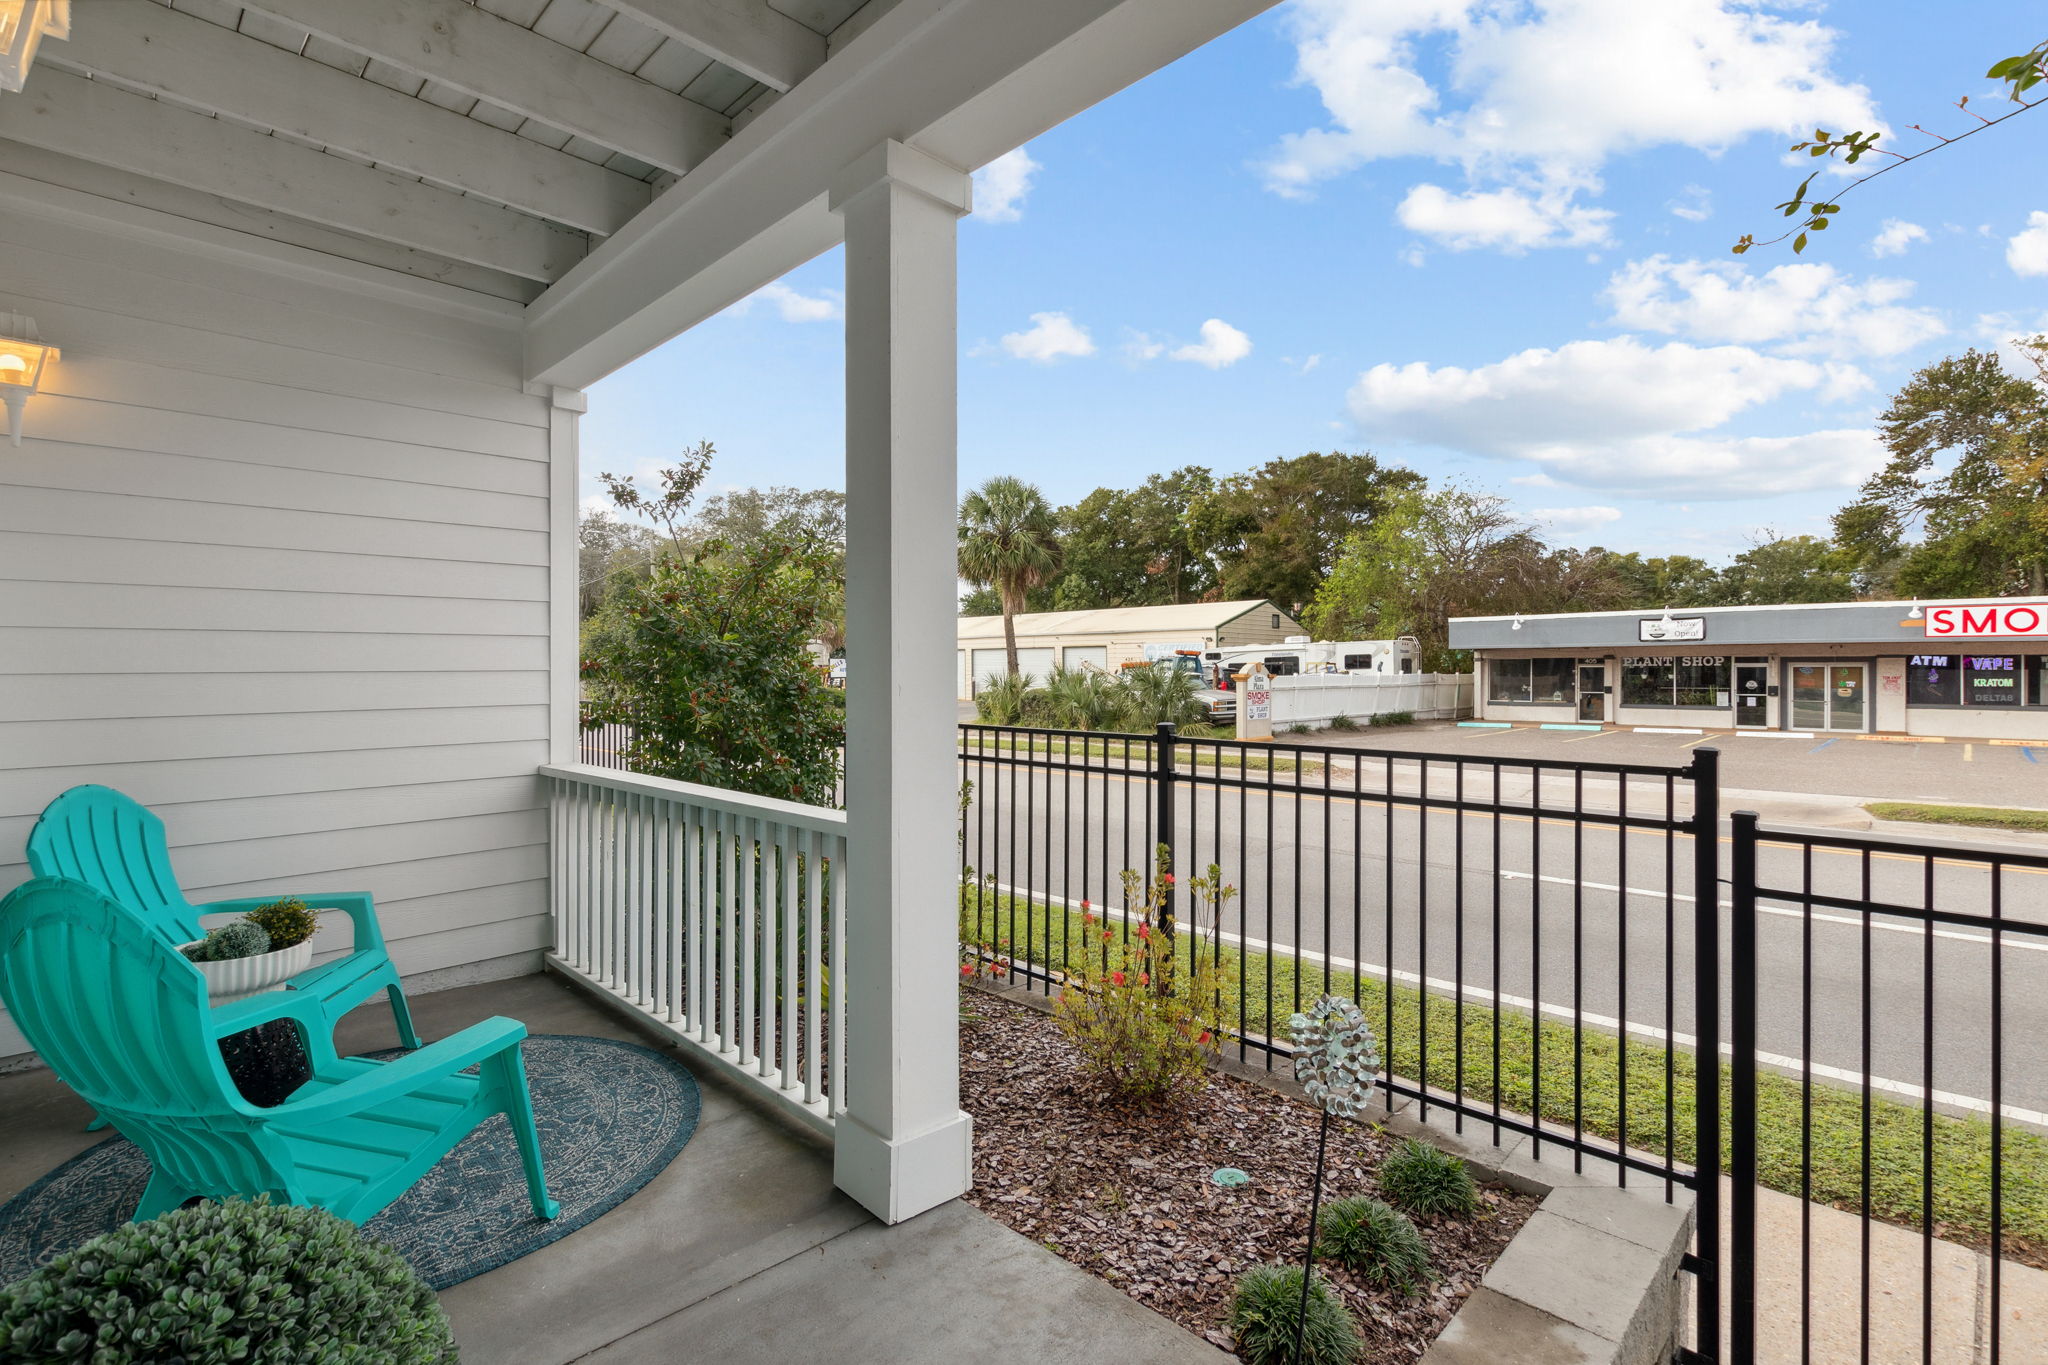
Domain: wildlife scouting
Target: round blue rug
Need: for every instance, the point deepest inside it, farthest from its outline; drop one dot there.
(611, 1116)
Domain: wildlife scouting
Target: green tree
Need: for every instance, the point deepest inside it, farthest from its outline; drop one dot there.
(1669, 581)
(1131, 548)
(1278, 531)
(605, 548)
(1961, 507)
(1009, 541)
(707, 659)
(1790, 569)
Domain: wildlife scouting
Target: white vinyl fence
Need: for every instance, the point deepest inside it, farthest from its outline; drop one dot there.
(1319, 698)
(715, 915)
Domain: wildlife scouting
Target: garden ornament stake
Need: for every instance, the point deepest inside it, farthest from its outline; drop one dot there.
(1336, 1060)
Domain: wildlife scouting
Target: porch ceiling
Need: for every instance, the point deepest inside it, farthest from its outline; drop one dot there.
(489, 143)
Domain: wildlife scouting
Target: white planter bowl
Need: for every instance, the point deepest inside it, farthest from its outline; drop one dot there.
(240, 976)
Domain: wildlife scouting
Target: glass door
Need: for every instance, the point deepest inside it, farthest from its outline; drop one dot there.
(1830, 697)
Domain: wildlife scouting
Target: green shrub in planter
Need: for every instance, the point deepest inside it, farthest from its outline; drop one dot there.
(1380, 1245)
(239, 939)
(1426, 1180)
(288, 922)
(253, 1283)
(1268, 1308)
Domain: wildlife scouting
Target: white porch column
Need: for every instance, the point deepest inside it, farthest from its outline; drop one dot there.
(903, 1146)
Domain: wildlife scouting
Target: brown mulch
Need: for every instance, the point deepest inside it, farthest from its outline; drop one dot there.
(1126, 1193)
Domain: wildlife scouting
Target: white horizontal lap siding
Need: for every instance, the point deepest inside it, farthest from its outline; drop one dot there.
(274, 560)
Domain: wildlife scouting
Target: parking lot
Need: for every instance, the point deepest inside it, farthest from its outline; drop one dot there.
(1977, 772)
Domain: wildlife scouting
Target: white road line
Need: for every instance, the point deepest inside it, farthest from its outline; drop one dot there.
(1793, 912)
(1665, 730)
(1481, 995)
(1774, 734)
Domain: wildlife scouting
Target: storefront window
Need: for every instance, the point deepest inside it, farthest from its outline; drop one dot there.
(2037, 680)
(1934, 680)
(1991, 680)
(1539, 680)
(1687, 681)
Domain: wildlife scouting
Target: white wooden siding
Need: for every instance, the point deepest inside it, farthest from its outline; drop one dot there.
(275, 560)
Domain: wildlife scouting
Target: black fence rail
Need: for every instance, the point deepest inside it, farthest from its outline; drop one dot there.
(1873, 984)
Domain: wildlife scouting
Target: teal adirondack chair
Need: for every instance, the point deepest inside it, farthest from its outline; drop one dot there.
(125, 1020)
(113, 842)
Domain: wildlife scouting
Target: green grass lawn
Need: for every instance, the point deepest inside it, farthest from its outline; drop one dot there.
(1536, 1074)
(1981, 817)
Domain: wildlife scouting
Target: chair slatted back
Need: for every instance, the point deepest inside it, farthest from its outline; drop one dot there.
(116, 845)
(123, 1019)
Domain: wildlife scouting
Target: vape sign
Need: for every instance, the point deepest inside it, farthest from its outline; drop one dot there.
(1988, 620)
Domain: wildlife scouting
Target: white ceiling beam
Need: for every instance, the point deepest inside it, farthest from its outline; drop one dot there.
(203, 64)
(746, 35)
(95, 121)
(480, 54)
(964, 80)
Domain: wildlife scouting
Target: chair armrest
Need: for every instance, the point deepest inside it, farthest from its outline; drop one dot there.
(401, 1075)
(233, 1016)
(356, 904)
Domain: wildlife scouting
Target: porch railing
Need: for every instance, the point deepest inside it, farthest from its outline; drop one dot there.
(712, 914)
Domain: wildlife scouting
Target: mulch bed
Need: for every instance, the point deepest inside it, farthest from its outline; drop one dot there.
(1126, 1194)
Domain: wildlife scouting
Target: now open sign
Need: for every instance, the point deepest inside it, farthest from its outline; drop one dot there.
(1984, 620)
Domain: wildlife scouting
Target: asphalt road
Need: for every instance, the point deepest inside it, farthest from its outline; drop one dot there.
(1340, 874)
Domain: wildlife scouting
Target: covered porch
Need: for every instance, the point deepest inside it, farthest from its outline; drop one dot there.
(289, 543)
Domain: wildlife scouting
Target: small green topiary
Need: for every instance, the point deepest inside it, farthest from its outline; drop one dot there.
(1267, 1310)
(288, 922)
(1423, 1179)
(239, 939)
(1374, 1241)
(255, 1283)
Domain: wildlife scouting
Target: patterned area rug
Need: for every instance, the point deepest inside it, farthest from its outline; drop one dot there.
(611, 1115)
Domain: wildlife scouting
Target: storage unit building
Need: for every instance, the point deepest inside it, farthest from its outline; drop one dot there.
(1110, 637)
(1975, 669)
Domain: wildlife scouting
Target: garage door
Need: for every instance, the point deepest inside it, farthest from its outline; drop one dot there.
(1091, 656)
(1034, 664)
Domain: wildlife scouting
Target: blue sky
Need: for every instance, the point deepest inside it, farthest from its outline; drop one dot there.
(1487, 239)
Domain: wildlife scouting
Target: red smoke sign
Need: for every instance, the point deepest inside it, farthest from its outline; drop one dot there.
(1988, 620)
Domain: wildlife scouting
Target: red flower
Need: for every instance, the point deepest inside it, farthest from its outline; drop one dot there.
(1107, 935)
(1144, 929)
(1084, 902)
(1144, 978)
(967, 969)
(1167, 878)
(1117, 978)
(1205, 1038)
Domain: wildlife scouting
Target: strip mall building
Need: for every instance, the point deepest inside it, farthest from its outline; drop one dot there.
(1964, 669)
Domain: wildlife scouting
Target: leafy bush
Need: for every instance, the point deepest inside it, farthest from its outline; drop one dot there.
(1297, 728)
(288, 921)
(1426, 1180)
(1388, 719)
(1144, 1011)
(1382, 1246)
(1155, 695)
(1001, 699)
(1344, 723)
(1082, 699)
(239, 939)
(257, 1283)
(1267, 1310)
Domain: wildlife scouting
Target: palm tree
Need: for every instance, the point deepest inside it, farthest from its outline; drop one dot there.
(1009, 542)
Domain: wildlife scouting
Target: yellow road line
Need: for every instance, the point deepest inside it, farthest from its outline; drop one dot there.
(1969, 753)
(1597, 734)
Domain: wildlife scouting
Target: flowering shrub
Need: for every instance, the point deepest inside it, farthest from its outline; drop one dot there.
(1145, 1011)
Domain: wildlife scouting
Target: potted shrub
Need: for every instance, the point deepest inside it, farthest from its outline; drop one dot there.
(229, 1281)
(256, 953)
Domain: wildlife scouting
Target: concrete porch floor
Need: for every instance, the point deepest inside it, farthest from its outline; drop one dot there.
(740, 1251)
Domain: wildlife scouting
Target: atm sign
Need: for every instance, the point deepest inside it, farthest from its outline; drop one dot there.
(1987, 619)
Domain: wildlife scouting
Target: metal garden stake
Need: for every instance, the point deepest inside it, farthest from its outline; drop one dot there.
(1335, 1059)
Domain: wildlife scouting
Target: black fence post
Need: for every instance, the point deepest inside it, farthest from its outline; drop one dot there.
(1162, 798)
(1706, 969)
(1742, 1086)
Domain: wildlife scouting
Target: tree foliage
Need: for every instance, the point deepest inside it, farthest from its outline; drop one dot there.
(1009, 541)
(707, 661)
(1961, 506)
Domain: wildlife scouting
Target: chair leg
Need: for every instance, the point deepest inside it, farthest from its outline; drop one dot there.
(161, 1196)
(507, 1071)
(99, 1121)
(401, 1014)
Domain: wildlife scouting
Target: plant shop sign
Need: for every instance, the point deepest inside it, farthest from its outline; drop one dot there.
(1988, 620)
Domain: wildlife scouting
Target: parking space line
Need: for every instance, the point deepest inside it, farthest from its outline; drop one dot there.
(1695, 743)
(1823, 744)
(2029, 752)
(1597, 734)
(1969, 753)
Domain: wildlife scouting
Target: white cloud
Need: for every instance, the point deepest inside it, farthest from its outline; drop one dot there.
(1895, 236)
(2027, 252)
(1221, 346)
(1536, 97)
(794, 306)
(1621, 415)
(1569, 520)
(1695, 204)
(1304, 365)
(1141, 346)
(1050, 337)
(1809, 308)
(1507, 218)
(1537, 480)
(1001, 186)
